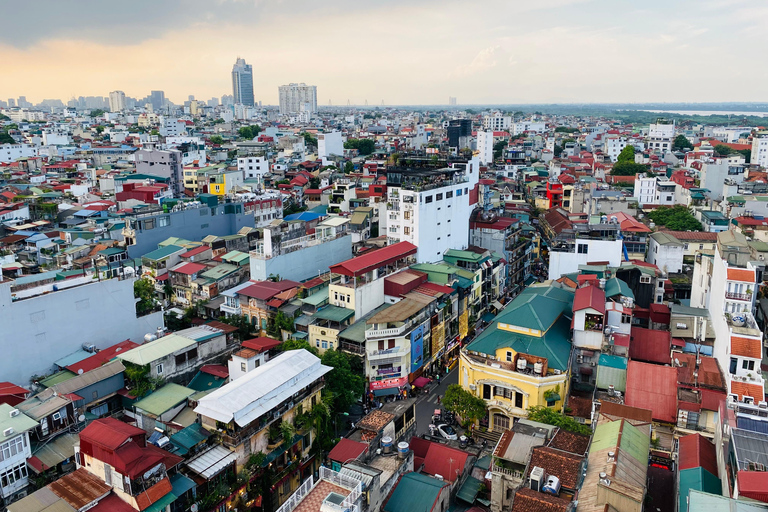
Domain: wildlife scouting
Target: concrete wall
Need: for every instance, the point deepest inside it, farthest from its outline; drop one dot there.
(37, 331)
(599, 250)
(305, 263)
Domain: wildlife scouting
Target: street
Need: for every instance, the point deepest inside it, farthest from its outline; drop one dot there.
(427, 403)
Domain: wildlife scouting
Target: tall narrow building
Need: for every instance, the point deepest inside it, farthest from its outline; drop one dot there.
(297, 98)
(242, 83)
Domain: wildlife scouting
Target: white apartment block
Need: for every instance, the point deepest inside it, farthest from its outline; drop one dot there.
(614, 144)
(660, 137)
(116, 101)
(297, 98)
(760, 150)
(528, 126)
(12, 152)
(14, 451)
(434, 213)
(173, 127)
(253, 166)
(497, 122)
(652, 190)
(566, 260)
(329, 144)
(485, 146)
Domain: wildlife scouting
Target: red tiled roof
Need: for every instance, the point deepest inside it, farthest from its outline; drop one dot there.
(746, 347)
(101, 357)
(265, 290)
(650, 345)
(653, 387)
(528, 500)
(8, 389)
(660, 313)
(741, 274)
(436, 288)
(195, 251)
(226, 328)
(374, 259)
(112, 504)
(261, 343)
(79, 489)
(746, 389)
(629, 223)
(589, 297)
(569, 441)
(751, 221)
(753, 484)
(154, 493)
(634, 414)
(439, 459)
(217, 370)
(696, 451)
(109, 432)
(189, 268)
(347, 450)
(563, 465)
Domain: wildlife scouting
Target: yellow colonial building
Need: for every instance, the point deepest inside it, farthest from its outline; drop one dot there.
(522, 358)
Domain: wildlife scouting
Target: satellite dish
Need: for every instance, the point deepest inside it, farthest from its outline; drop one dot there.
(677, 362)
(80, 371)
(81, 417)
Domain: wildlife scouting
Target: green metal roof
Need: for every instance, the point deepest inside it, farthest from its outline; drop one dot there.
(613, 361)
(356, 331)
(469, 490)
(57, 378)
(317, 299)
(163, 252)
(163, 399)
(154, 350)
(697, 479)
(705, 502)
(19, 424)
(678, 309)
(237, 257)
(111, 251)
(457, 255)
(615, 286)
(206, 382)
(415, 492)
(189, 437)
(220, 271)
(334, 313)
(632, 441)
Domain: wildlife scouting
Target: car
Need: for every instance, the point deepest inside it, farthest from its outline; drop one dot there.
(447, 432)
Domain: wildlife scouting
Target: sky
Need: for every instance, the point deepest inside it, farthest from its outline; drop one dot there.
(399, 52)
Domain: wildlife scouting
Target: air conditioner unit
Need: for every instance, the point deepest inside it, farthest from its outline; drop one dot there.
(592, 363)
(13, 413)
(8, 432)
(538, 478)
(472, 387)
(579, 359)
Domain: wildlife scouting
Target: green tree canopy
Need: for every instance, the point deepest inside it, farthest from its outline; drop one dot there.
(628, 168)
(676, 218)
(99, 129)
(97, 112)
(364, 146)
(566, 129)
(293, 344)
(349, 167)
(723, 150)
(5, 138)
(4, 117)
(310, 140)
(345, 384)
(681, 143)
(627, 154)
(549, 416)
(281, 322)
(144, 290)
(249, 132)
(463, 403)
(217, 139)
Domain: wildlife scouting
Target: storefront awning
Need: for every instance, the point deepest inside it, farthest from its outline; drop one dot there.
(386, 392)
(498, 305)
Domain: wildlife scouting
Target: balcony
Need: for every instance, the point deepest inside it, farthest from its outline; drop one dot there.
(386, 333)
(388, 353)
(230, 310)
(739, 296)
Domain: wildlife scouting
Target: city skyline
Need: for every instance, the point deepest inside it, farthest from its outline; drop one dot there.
(558, 51)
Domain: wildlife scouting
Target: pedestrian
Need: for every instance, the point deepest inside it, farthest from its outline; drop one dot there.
(438, 399)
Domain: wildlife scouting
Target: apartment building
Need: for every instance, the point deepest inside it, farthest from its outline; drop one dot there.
(661, 134)
(295, 98)
(164, 164)
(426, 205)
(497, 122)
(14, 452)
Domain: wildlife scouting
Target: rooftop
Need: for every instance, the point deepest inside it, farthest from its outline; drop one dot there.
(154, 350)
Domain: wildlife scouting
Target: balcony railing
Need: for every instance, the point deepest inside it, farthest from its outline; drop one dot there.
(738, 296)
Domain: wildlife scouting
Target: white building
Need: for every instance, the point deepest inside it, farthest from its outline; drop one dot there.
(666, 252)
(431, 210)
(485, 146)
(760, 150)
(660, 137)
(171, 127)
(116, 101)
(497, 122)
(528, 126)
(329, 144)
(254, 166)
(14, 452)
(297, 98)
(650, 190)
(12, 152)
(566, 260)
(614, 144)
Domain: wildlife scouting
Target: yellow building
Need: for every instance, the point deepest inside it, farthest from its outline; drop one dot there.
(522, 359)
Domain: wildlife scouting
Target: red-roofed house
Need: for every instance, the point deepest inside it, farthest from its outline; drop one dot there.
(182, 277)
(439, 459)
(254, 297)
(358, 283)
(653, 387)
(650, 345)
(12, 394)
(588, 317)
(115, 451)
(346, 450)
(101, 357)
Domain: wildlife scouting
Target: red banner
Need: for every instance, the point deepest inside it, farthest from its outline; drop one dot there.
(389, 383)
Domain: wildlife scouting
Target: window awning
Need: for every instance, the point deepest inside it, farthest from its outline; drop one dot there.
(498, 305)
(585, 370)
(386, 392)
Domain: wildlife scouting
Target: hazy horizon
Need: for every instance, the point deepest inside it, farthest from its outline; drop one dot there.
(404, 53)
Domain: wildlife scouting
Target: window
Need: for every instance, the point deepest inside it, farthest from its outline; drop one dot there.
(12, 447)
(486, 392)
(406, 230)
(242, 367)
(449, 194)
(428, 199)
(701, 246)
(509, 357)
(458, 192)
(582, 249)
(645, 279)
(12, 475)
(325, 344)
(439, 197)
(164, 221)
(57, 416)
(159, 369)
(661, 284)
(748, 365)
(519, 400)
(626, 319)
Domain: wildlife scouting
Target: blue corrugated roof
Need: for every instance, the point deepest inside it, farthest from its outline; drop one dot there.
(305, 216)
(613, 361)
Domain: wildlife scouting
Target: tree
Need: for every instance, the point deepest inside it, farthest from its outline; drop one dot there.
(681, 143)
(217, 139)
(97, 112)
(566, 129)
(498, 148)
(4, 117)
(139, 379)
(627, 154)
(549, 416)
(144, 290)
(364, 146)
(5, 138)
(558, 150)
(463, 403)
(243, 325)
(293, 344)
(309, 140)
(676, 218)
(349, 167)
(345, 384)
(154, 132)
(314, 183)
(628, 168)
(281, 322)
(245, 132)
(99, 129)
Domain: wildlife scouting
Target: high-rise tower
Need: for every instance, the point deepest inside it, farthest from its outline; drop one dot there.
(242, 82)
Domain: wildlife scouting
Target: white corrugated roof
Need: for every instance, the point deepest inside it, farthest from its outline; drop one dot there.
(211, 462)
(154, 350)
(262, 389)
